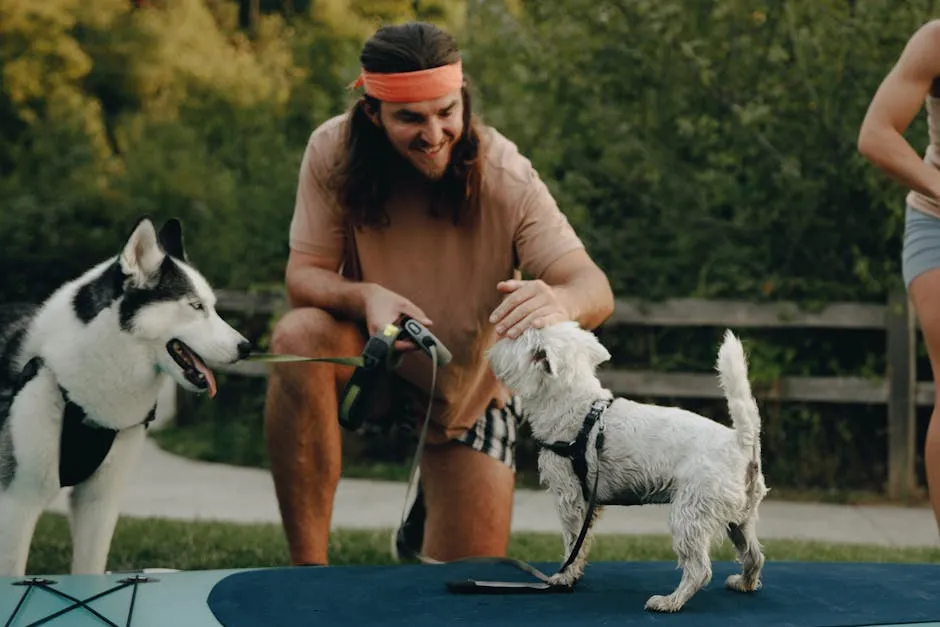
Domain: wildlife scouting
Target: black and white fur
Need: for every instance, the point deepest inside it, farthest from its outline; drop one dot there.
(106, 339)
(711, 474)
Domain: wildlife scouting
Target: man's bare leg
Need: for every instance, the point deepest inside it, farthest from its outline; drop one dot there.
(302, 429)
(469, 498)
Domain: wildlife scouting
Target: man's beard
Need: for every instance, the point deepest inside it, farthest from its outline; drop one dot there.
(444, 188)
(407, 168)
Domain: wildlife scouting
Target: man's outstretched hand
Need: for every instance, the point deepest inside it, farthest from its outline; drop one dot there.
(527, 304)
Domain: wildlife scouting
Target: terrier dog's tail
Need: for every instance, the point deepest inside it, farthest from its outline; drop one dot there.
(732, 376)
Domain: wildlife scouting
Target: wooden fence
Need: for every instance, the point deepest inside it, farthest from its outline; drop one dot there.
(899, 390)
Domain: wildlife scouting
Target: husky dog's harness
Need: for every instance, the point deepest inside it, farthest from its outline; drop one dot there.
(83, 445)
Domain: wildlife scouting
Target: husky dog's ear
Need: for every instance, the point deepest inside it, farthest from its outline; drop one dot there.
(171, 238)
(141, 258)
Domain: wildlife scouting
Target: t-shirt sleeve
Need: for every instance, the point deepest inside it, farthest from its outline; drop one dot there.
(543, 233)
(317, 224)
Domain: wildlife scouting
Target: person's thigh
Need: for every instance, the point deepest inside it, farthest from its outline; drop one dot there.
(925, 297)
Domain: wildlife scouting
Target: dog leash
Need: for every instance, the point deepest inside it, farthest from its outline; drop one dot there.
(544, 583)
(473, 586)
(280, 358)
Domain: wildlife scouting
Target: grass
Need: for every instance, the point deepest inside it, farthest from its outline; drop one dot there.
(149, 543)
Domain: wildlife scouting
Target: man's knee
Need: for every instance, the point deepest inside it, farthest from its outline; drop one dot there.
(314, 332)
(309, 332)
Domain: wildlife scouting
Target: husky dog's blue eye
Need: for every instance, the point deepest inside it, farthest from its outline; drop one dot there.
(196, 305)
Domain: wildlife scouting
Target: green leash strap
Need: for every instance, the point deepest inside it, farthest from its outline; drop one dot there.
(273, 358)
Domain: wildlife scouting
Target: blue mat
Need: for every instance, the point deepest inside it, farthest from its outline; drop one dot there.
(794, 594)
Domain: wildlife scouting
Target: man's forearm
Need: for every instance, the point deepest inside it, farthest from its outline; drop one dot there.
(328, 290)
(587, 297)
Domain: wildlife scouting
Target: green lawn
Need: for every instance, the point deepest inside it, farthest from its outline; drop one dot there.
(150, 543)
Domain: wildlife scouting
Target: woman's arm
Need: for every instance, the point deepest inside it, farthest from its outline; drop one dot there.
(893, 107)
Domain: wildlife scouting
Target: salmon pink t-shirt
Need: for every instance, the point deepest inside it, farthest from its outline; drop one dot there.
(449, 271)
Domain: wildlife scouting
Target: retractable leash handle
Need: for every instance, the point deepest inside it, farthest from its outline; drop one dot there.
(425, 340)
(379, 356)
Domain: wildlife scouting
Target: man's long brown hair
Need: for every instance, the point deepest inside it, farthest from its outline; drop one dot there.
(363, 177)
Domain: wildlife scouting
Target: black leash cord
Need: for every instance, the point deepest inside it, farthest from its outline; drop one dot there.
(474, 586)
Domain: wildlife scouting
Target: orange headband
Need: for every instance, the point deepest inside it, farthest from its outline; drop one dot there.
(412, 86)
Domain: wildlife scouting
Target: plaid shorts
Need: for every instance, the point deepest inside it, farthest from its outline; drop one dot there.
(495, 433)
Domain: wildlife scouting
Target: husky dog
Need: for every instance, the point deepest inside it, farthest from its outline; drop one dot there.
(79, 380)
(711, 474)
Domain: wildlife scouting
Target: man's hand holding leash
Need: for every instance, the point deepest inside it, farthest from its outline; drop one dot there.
(384, 307)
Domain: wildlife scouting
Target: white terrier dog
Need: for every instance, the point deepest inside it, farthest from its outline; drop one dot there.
(711, 474)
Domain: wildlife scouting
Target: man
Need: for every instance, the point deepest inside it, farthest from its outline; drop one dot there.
(408, 205)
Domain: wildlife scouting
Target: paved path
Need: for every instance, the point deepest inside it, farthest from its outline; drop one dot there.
(167, 486)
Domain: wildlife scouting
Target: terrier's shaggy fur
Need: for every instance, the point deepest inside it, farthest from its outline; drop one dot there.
(711, 474)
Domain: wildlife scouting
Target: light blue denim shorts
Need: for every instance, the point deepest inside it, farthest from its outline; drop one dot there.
(921, 248)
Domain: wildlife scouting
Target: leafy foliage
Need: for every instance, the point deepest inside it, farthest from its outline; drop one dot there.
(709, 149)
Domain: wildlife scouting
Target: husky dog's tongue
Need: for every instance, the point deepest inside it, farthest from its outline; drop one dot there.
(199, 365)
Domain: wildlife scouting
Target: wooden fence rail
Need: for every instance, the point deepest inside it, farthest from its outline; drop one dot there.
(898, 389)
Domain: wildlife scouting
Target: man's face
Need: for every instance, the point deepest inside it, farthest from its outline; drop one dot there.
(424, 132)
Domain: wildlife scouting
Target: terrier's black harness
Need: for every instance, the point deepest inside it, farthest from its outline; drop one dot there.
(83, 445)
(576, 450)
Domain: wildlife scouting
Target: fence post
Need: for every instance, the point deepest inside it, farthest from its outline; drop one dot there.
(902, 402)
